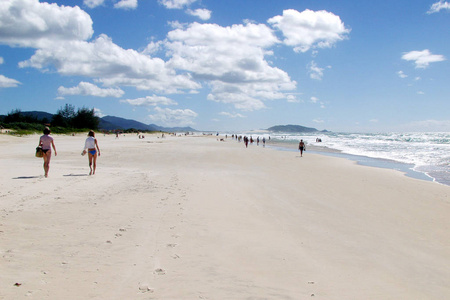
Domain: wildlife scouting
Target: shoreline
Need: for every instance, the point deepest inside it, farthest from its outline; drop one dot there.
(408, 169)
(197, 218)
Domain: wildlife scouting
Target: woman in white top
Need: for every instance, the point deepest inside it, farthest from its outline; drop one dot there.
(92, 147)
(46, 142)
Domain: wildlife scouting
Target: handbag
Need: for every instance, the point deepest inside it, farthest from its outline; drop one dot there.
(39, 151)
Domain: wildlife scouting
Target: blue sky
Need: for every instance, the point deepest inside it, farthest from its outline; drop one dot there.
(355, 66)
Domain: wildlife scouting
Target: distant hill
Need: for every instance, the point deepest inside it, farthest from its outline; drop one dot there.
(40, 115)
(292, 128)
(111, 123)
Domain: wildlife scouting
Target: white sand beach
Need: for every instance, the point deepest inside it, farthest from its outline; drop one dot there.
(196, 218)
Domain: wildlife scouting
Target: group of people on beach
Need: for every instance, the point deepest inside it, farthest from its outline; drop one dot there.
(47, 142)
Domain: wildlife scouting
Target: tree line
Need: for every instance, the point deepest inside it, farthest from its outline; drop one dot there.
(66, 119)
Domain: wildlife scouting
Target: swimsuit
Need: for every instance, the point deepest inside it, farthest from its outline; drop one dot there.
(93, 152)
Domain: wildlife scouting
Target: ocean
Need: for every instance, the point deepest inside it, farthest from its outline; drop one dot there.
(424, 155)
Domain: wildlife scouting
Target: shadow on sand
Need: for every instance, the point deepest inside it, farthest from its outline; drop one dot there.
(27, 177)
(74, 175)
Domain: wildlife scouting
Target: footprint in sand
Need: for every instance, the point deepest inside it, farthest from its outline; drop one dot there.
(160, 272)
(144, 288)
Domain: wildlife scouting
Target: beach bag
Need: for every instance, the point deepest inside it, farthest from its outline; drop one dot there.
(39, 151)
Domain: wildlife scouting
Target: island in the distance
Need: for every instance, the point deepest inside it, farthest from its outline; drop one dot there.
(293, 128)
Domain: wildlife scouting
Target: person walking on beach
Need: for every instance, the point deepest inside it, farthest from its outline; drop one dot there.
(46, 142)
(92, 147)
(301, 147)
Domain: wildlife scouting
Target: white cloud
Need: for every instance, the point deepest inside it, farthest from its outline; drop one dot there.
(401, 74)
(176, 4)
(150, 101)
(232, 59)
(316, 100)
(1, 60)
(232, 115)
(93, 3)
(203, 14)
(438, 6)
(422, 59)
(318, 121)
(6, 82)
(98, 112)
(420, 93)
(126, 4)
(171, 117)
(113, 65)
(30, 23)
(373, 121)
(292, 99)
(314, 71)
(152, 48)
(177, 25)
(89, 89)
(309, 29)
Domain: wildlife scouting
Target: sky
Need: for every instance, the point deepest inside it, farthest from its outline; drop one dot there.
(234, 65)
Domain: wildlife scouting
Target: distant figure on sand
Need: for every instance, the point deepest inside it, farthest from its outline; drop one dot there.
(301, 147)
(46, 142)
(92, 147)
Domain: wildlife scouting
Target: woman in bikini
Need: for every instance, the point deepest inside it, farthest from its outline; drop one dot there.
(46, 142)
(92, 147)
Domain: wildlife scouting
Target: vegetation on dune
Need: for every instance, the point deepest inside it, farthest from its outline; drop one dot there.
(66, 120)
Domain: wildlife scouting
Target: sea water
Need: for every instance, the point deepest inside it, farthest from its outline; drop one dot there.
(426, 153)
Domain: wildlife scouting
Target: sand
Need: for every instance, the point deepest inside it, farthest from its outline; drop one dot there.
(196, 218)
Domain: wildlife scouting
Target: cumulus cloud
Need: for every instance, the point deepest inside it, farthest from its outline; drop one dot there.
(113, 65)
(150, 101)
(126, 4)
(438, 6)
(6, 82)
(203, 14)
(422, 59)
(232, 59)
(89, 89)
(174, 117)
(30, 23)
(176, 4)
(309, 29)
